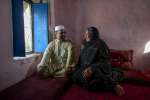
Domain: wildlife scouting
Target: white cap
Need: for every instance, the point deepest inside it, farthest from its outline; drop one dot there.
(59, 27)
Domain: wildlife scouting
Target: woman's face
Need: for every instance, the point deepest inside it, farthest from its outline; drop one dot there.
(87, 36)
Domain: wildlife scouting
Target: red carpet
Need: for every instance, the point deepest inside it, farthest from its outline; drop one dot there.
(35, 88)
(133, 92)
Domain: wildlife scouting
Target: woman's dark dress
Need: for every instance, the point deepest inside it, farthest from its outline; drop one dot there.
(95, 54)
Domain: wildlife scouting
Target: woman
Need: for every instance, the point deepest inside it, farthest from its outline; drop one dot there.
(94, 69)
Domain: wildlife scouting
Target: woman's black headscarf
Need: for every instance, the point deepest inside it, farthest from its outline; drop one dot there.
(94, 35)
(94, 31)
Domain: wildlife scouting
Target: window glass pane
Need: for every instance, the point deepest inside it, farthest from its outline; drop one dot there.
(27, 26)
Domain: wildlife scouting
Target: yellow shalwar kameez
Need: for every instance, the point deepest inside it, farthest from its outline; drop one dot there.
(58, 56)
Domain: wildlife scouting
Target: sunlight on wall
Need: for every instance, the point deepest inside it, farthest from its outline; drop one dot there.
(147, 47)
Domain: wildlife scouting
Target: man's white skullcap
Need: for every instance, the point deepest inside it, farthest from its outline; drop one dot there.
(59, 27)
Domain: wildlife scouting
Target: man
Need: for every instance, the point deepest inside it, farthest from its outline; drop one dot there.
(94, 68)
(58, 58)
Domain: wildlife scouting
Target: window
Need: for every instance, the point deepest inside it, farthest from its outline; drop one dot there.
(25, 37)
(27, 27)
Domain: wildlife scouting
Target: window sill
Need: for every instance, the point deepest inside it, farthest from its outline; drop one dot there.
(27, 65)
(27, 56)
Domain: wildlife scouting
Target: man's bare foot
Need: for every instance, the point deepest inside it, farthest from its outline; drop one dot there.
(119, 90)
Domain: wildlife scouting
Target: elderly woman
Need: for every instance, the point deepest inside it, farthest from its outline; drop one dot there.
(94, 69)
(58, 58)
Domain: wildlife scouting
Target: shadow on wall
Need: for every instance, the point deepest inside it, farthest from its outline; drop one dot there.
(26, 66)
(33, 66)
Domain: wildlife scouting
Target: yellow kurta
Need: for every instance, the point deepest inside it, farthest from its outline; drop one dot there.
(57, 57)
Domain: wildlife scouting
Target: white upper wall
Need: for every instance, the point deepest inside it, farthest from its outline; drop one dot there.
(5, 42)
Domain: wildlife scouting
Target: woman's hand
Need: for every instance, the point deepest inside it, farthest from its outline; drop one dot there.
(70, 70)
(87, 73)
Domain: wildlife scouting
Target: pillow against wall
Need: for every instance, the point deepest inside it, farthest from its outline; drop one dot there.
(122, 59)
(123, 65)
(137, 76)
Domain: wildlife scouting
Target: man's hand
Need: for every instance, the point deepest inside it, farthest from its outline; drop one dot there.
(87, 73)
(71, 68)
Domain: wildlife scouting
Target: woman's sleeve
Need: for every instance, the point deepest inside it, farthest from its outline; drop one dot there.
(70, 56)
(103, 59)
(78, 64)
